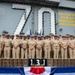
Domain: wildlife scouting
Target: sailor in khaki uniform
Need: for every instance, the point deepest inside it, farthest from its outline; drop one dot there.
(0, 47)
(7, 47)
(42, 39)
(39, 45)
(3, 36)
(11, 38)
(64, 45)
(24, 48)
(55, 46)
(72, 47)
(31, 47)
(60, 39)
(16, 47)
(47, 47)
(51, 52)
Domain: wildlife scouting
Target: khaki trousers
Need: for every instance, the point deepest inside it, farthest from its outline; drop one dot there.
(32, 53)
(7, 52)
(72, 53)
(24, 53)
(39, 53)
(15, 53)
(64, 53)
(56, 52)
(47, 52)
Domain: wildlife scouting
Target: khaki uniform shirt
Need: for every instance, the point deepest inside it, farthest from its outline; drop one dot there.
(16, 42)
(64, 43)
(0, 44)
(7, 43)
(31, 44)
(39, 44)
(72, 42)
(47, 43)
(2, 39)
(24, 44)
(55, 43)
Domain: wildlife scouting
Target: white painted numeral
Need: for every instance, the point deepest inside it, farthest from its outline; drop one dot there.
(31, 61)
(27, 9)
(38, 62)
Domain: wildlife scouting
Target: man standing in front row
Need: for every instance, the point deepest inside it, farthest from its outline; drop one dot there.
(0, 47)
(24, 47)
(16, 47)
(7, 47)
(72, 47)
(47, 47)
(39, 45)
(64, 45)
(31, 47)
(55, 46)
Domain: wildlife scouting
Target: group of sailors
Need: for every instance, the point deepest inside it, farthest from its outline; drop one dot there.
(39, 47)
